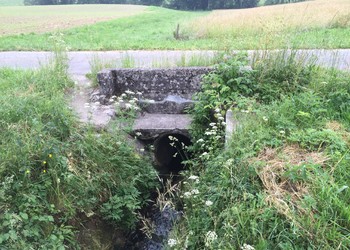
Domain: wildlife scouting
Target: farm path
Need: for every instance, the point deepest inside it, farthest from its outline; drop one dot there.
(79, 66)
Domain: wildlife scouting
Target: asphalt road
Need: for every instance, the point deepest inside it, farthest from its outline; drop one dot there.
(79, 62)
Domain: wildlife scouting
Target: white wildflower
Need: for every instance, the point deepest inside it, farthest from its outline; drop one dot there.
(208, 203)
(210, 237)
(187, 194)
(217, 110)
(193, 177)
(282, 132)
(123, 95)
(247, 247)
(208, 133)
(200, 141)
(172, 242)
(265, 118)
(138, 133)
(129, 92)
(223, 123)
(221, 118)
(204, 154)
(195, 191)
(212, 124)
(128, 105)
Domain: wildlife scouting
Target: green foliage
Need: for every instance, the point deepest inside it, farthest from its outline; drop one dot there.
(53, 172)
(121, 208)
(234, 84)
(315, 140)
(176, 4)
(271, 2)
(228, 201)
(96, 65)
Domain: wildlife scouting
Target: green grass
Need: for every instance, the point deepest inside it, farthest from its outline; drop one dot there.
(153, 30)
(11, 2)
(281, 182)
(198, 30)
(57, 175)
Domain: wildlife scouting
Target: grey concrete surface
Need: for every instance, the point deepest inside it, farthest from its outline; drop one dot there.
(150, 126)
(79, 62)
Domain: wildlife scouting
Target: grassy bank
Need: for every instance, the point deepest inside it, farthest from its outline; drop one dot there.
(62, 185)
(282, 181)
(315, 24)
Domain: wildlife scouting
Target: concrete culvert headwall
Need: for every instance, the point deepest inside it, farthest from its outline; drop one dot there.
(164, 95)
(170, 150)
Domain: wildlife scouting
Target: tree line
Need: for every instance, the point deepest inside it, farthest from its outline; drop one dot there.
(174, 4)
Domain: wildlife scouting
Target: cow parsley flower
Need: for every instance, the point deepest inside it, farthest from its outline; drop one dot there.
(208, 203)
(172, 242)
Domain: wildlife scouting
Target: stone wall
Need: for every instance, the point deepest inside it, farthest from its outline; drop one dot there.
(155, 84)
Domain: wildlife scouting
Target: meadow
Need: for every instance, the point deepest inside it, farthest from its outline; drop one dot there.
(41, 19)
(310, 24)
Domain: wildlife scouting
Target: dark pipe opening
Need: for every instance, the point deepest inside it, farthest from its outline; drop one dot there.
(170, 150)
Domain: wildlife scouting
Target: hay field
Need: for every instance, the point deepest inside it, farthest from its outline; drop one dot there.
(40, 19)
(277, 18)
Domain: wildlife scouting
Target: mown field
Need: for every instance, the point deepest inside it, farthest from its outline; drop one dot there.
(40, 19)
(310, 24)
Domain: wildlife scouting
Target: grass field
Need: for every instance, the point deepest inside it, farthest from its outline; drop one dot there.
(299, 24)
(40, 19)
(11, 2)
(310, 24)
(153, 29)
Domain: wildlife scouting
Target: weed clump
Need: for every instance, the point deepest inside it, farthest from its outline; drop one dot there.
(56, 175)
(281, 181)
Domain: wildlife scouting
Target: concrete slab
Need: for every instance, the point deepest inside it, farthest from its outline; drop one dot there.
(150, 126)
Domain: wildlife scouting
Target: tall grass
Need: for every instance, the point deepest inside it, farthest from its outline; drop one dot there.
(274, 26)
(96, 65)
(281, 183)
(55, 175)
